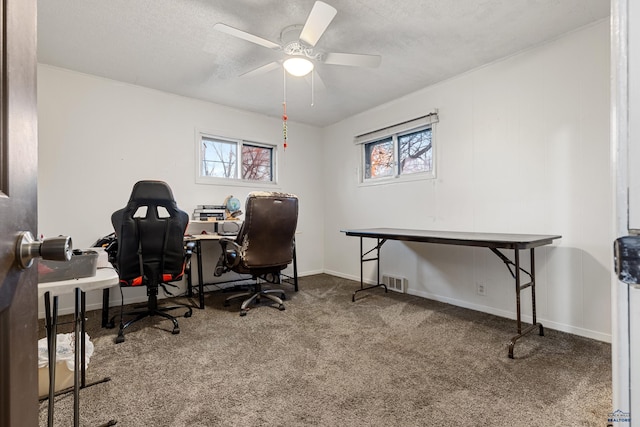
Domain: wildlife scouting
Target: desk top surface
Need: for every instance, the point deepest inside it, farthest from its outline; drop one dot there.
(207, 236)
(463, 238)
(104, 278)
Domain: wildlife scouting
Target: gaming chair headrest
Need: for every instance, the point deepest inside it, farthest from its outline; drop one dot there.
(152, 192)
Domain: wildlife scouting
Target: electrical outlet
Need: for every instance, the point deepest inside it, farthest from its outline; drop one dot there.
(481, 289)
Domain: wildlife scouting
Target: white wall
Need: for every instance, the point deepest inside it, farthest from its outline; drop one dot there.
(522, 147)
(98, 137)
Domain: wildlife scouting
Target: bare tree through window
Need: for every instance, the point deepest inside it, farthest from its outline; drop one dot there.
(379, 158)
(415, 152)
(256, 163)
(219, 159)
(399, 154)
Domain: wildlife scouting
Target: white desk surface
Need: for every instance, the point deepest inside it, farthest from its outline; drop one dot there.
(104, 278)
(194, 237)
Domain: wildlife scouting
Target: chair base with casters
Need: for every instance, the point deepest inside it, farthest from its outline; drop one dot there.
(255, 295)
(150, 309)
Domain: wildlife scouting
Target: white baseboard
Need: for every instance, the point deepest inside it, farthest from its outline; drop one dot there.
(346, 276)
(574, 330)
(310, 273)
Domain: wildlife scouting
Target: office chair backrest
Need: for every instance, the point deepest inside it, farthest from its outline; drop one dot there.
(267, 234)
(150, 232)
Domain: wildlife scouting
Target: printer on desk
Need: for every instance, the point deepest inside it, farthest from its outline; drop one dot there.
(228, 228)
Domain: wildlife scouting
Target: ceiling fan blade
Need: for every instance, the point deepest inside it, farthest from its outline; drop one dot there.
(245, 36)
(261, 70)
(353, 59)
(318, 20)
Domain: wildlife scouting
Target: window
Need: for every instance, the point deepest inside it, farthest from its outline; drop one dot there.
(217, 159)
(415, 151)
(399, 151)
(379, 158)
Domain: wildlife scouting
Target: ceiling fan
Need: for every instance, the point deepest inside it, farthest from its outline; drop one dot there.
(300, 52)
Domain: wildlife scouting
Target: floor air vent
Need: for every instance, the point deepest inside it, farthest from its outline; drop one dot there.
(398, 284)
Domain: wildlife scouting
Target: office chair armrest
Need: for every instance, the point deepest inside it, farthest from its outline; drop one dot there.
(188, 251)
(231, 255)
(188, 248)
(112, 252)
(229, 258)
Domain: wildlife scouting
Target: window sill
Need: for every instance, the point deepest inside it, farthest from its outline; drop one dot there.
(397, 179)
(236, 182)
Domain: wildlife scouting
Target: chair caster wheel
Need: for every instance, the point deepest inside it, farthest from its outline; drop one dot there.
(281, 307)
(175, 331)
(283, 297)
(110, 325)
(119, 339)
(243, 312)
(187, 314)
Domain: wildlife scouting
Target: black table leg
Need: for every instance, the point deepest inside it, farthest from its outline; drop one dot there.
(51, 322)
(200, 274)
(105, 307)
(533, 292)
(188, 273)
(295, 267)
(363, 254)
(83, 351)
(519, 287)
(77, 328)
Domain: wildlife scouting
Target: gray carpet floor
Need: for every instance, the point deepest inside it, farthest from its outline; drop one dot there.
(385, 360)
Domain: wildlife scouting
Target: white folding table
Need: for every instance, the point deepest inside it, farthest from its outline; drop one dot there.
(105, 278)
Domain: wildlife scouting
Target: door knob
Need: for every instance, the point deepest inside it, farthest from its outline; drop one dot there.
(52, 248)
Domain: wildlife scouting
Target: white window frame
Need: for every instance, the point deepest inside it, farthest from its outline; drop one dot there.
(236, 181)
(393, 132)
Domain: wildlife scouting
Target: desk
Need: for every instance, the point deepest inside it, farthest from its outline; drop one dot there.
(104, 278)
(493, 241)
(198, 239)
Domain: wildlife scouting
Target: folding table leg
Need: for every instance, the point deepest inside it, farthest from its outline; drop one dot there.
(77, 329)
(51, 322)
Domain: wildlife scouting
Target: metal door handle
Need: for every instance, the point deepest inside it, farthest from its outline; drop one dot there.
(52, 248)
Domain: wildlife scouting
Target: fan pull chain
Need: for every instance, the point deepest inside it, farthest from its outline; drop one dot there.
(284, 108)
(284, 123)
(313, 90)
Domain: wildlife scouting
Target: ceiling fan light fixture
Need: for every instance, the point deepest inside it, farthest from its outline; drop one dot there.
(298, 66)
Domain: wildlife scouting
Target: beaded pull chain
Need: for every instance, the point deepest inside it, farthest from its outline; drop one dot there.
(284, 110)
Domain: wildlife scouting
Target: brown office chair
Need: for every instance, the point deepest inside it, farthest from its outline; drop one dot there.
(263, 247)
(149, 249)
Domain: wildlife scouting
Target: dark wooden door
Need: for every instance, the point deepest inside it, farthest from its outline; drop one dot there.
(18, 212)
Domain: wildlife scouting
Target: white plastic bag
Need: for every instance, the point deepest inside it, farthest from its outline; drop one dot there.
(64, 350)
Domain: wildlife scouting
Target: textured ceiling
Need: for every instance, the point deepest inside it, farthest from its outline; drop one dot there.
(170, 45)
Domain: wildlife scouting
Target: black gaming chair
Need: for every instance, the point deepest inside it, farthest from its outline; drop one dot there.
(150, 248)
(264, 245)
